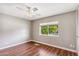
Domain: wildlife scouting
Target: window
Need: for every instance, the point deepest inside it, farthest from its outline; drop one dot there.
(49, 29)
(44, 29)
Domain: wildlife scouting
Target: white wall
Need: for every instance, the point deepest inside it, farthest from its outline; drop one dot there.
(13, 30)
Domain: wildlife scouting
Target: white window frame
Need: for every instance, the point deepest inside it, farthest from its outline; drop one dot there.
(49, 23)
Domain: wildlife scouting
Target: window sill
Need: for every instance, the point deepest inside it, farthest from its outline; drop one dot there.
(50, 35)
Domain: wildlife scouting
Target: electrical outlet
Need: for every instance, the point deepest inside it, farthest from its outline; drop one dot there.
(71, 45)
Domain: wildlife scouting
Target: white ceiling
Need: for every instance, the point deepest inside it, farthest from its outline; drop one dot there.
(45, 9)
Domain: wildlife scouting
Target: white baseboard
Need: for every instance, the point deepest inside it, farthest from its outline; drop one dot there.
(55, 46)
(37, 42)
(14, 45)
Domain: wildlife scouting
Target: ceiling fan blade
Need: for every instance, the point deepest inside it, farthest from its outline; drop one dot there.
(26, 6)
(22, 9)
(35, 9)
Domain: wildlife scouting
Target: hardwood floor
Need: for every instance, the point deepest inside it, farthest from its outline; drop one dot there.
(35, 49)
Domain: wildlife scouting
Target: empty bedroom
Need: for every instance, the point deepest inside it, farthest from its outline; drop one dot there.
(39, 29)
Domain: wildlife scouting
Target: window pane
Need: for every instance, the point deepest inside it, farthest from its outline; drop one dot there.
(53, 29)
(44, 29)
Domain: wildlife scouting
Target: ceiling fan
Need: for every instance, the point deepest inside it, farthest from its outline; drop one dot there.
(30, 11)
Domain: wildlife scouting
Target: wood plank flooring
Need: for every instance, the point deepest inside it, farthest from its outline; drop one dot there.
(35, 49)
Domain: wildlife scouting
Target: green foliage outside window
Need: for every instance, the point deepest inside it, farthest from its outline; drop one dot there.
(44, 29)
(53, 29)
(49, 29)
